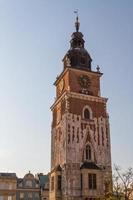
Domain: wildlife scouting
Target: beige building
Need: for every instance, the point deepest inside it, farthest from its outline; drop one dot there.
(28, 188)
(80, 138)
(8, 184)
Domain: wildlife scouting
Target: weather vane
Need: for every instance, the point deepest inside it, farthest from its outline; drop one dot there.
(76, 12)
(77, 24)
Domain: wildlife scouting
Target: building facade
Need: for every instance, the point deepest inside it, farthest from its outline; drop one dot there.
(80, 136)
(8, 184)
(28, 188)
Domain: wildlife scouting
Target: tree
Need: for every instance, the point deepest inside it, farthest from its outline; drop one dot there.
(123, 183)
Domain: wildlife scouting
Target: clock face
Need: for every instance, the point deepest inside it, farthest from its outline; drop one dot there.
(61, 86)
(84, 81)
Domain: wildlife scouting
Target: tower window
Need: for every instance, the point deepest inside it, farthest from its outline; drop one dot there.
(92, 181)
(86, 114)
(102, 137)
(68, 138)
(81, 179)
(82, 60)
(59, 182)
(73, 60)
(88, 152)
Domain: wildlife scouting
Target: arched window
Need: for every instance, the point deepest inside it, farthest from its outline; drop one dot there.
(88, 152)
(86, 114)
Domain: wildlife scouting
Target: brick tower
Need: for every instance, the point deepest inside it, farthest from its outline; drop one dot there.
(80, 138)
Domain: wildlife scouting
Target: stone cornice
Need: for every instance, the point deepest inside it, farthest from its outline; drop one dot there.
(87, 97)
(68, 94)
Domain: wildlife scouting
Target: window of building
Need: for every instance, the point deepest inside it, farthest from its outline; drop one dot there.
(20, 185)
(82, 60)
(92, 181)
(81, 181)
(86, 114)
(59, 182)
(36, 195)
(21, 195)
(10, 197)
(88, 152)
(1, 197)
(37, 185)
(29, 183)
(68, 138)
(74, 60)
(52, 183)
(29, 195)
(4, 186)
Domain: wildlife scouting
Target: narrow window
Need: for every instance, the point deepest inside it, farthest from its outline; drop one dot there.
(73, 60)
(98, 139)
(81, 181)
(59, 182)
(68, 138)
(92, 181)
(102, 137)
(86, 114)
(88, 152)
(52, 183)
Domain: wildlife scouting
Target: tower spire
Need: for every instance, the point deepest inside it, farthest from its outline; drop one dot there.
(77, 24)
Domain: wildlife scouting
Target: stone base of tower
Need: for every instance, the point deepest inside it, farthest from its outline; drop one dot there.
(84, 181)
(78, 198)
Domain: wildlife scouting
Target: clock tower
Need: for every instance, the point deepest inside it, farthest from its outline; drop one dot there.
(80, 137)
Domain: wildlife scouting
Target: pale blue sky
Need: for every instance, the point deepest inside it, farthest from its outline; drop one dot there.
(34, 36)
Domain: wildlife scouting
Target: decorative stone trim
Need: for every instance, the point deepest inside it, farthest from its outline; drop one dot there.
(79, 96)
(87, 97)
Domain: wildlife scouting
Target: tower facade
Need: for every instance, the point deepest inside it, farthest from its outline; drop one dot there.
(80, 137)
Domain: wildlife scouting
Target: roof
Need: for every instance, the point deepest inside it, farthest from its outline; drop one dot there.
(29, 176)
(8, 175)
(89, 165)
